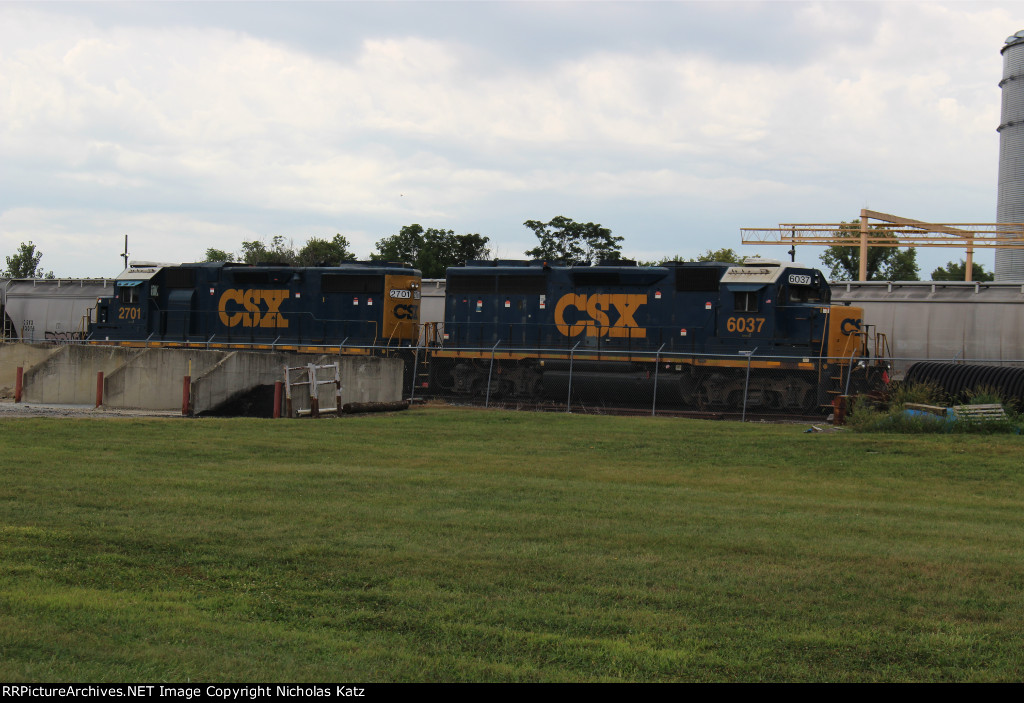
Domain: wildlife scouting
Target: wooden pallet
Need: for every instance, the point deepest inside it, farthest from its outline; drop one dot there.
(971, 413)
(979, 413)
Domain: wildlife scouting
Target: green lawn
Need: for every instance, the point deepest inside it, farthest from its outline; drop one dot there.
(467, 545)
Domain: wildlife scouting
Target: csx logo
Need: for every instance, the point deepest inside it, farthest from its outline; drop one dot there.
(597, 307)
(850, 326)
(261, 308)
(406, 312)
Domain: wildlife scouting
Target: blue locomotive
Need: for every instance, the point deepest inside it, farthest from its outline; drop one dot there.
(705, 334)
(616, 322)
(344, 308)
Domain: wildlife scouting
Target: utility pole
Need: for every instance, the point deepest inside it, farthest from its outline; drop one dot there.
(125, 254)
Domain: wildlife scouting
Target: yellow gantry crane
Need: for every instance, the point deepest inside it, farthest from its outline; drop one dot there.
(897, 232)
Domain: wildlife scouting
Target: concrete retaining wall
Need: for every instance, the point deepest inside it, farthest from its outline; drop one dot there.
(152, 379)
(237, 373)
(69, 375)
(364, 379)
(24, 355)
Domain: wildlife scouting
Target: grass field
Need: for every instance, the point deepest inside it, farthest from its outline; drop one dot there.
(466, 545)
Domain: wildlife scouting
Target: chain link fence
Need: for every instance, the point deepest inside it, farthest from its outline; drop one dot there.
(741, 386)
(744, 386)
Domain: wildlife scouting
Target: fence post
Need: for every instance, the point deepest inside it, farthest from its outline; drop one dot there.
(487, 398)
(99, 388)
(314, 392)
(277, 399)
(657, 363)
(186, 394)
(568, 397)
(746, 384)
(19, 379)
(415, 371)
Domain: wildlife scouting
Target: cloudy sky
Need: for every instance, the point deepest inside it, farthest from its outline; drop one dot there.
(196, 125)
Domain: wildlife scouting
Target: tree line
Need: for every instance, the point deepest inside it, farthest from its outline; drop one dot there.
(563, 239)
(433, 250)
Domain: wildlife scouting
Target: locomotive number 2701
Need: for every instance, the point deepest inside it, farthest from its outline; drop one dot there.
(129, 314)
(747, 325)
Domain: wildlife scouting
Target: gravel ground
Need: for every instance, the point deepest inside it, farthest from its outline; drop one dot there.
(8, 408)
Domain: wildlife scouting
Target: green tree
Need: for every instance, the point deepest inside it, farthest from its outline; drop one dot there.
(431, 250)
(954, 271)
(25, 263)
(321, 251)
(884, 263)
(727, 256)
(278, 252)
(218, 255)
(563, 239)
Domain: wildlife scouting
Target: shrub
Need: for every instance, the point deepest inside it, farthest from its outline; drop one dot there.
(899, 393)
(868, 416)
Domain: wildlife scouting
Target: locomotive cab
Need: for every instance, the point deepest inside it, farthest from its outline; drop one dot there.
(126, 313)
(772, 306)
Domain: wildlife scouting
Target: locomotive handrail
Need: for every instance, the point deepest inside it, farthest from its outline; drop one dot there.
(849, 373)
(882, 350)
(617, 353)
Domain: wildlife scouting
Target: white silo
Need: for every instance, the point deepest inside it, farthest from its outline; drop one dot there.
(1010, 203)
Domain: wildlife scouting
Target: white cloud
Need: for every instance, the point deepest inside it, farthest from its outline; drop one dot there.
(173, 131)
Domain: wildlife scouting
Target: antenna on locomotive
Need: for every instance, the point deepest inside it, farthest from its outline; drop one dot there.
(125, 254)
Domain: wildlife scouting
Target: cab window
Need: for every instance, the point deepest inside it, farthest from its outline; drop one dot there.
(804, 294)
(745, 301)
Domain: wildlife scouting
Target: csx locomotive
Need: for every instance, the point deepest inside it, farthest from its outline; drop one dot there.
(348, 308)
(709, 333)
(716, 332)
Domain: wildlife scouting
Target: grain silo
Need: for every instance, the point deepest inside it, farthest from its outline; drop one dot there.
(1010, 203)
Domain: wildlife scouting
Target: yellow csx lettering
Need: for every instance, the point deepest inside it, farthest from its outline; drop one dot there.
(597, 307)
(255, 315)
